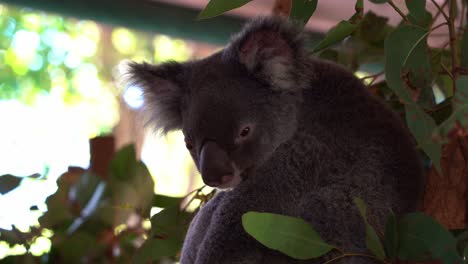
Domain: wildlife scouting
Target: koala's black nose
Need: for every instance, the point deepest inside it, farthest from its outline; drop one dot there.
(214, 164)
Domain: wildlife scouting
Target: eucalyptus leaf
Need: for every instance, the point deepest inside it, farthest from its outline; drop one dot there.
(391, 237)
(155, 249)
(379, 1)
(421, 126)
(336, 34)
(359, 12)
(14, 236)
(398, 45)
(418, 14)
(372, 240)
(418, 73)
(373, 29)
(8, 182)
(459, 118)
(77, 246)
(164, 201)
(302, 10)
(170, 222)
(218, 7)
(403, 48)
(123, 164)
(289, 235)
(143, 182)
(421, 238)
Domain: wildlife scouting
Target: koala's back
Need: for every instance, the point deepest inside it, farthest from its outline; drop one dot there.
(362, 132)
(348, 144)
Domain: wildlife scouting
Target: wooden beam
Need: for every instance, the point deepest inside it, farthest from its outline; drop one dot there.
(144, 15)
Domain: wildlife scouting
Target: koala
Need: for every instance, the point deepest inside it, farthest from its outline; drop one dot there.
(282, 132)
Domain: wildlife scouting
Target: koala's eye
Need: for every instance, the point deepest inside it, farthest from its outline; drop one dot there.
(245, 132)
(188, 146)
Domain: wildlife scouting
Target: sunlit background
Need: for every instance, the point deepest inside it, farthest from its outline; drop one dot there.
(57, 90)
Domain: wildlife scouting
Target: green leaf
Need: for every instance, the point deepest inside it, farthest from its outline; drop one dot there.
(422, 238)
(405, 55)
(155, 249)
(218, 7)
(391, 237)
(336, 34)
(170, 222)
(417, 70)
(302, 10)
(422, 126)
(398, 47)
(76, 246)
(379, 1)
(359, 12)
(133, 194)
(458, 121)
(164, 201)
(289, 235)
(464, 48)
(418, 14)
(14, 236)
(359, 6)
(85, 188)
(8, 182)
(123, 164)
(21, 259)
(372, 240)
(373, 29)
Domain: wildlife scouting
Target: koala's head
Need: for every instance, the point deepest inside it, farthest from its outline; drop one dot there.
(234, 107)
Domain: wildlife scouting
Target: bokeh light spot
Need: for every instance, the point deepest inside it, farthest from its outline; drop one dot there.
(124, 41)
(133, 97)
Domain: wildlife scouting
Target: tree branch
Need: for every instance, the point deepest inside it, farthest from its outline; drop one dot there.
(440, 10)
(453, 43)
(398, 10)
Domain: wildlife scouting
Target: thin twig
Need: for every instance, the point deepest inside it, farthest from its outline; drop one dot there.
(372, 76)
(462, 71)
(463, 15)
(441, 10)
(453, 43)
(196, 191)
(352, 255)
(447, 71)
(438, 26)
(398, 10)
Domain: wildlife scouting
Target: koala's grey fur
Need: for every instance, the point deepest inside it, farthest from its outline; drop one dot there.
(319, 139)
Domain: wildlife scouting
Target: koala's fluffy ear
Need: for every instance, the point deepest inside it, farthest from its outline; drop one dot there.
(163, 91)
(273, 50)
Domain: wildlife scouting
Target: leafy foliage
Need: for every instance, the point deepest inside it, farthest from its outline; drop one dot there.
(421, 238)
(302, 10)
(88, 208)
(292, 236)
(9, 182)
(336, 34)
(372, 240)
(218, 7)
(92, 217)
(414, 237)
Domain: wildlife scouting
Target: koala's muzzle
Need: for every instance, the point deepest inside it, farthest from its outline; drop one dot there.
(215, 165)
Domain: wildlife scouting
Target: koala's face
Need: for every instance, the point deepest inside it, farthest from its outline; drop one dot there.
(232, 122)
(234, 107)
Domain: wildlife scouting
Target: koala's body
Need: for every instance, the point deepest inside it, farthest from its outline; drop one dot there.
(287, 134)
